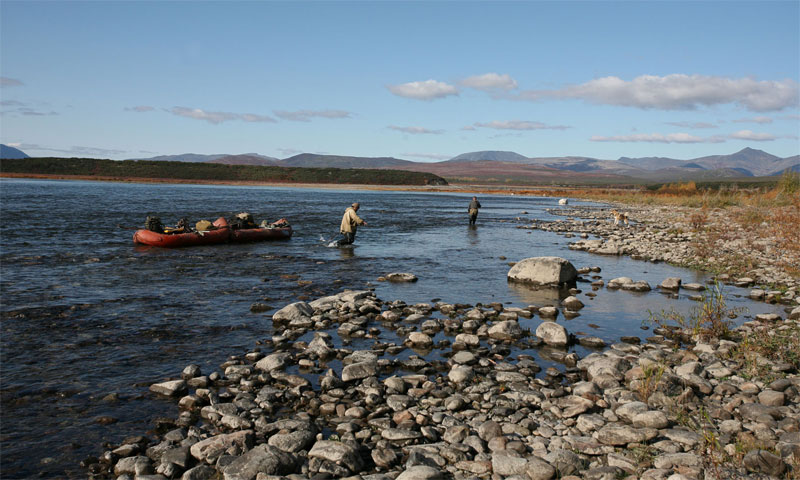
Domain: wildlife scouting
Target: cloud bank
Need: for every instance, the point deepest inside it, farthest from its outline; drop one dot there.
(678, 92)
(686, 138)
(416, 130)
(519, 125)
(427, 90)
(218, 117)
(307, 115)
(490, 82)
(10, 82)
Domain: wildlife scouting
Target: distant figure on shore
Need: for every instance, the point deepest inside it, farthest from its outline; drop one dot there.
(474, 205)
(350, 223)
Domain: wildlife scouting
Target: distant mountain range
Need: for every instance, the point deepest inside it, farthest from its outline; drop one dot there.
(504, 166)
(11, 152)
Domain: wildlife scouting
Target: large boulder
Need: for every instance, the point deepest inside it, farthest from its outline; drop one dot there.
(549, 271)
(292, 312)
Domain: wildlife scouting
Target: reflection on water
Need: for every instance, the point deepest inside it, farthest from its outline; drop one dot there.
(540, 296)
(89, 320)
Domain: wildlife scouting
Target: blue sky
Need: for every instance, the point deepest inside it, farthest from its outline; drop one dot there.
(422, 81)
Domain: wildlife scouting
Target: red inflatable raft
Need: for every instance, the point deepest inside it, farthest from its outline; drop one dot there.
(221, 234)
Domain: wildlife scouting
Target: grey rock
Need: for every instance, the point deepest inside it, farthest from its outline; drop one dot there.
(401, 277)
(574, 405)
(618, 435)
(263, 459)
(572, 303)
(553, 334)
(338, 453)
(420, 472)
(359, 371)
(210, 449)
(294, 311)
(506, 462)
(461, 374)
(292, 442)
(763, 461)
(651, 419)
(420, 339)
(565, 462)
(275, 361)
(543, 271)
(171, 388)
(674, 460)
(489, 430)
(507, 330)
(200, 472)
(671, 283)
(538, 469)
(133, 466)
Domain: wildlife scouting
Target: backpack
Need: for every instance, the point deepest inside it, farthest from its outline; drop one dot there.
(154, 224)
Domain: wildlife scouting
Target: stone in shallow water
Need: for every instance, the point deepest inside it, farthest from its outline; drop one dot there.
(171, 388)
(401, 277)
(543, 271)
(553, 334)
(671, 283)
(507, 330)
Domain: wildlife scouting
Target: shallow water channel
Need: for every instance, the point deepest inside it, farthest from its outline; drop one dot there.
(90, 320)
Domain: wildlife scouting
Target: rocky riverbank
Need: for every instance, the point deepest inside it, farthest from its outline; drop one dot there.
(462, 406)
(704, 239)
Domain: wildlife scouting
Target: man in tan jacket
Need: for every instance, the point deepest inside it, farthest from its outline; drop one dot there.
(350, 223)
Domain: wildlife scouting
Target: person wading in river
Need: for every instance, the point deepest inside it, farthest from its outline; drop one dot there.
(474, 205)
(350, 223)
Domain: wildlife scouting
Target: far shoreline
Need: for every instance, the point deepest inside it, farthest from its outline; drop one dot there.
(461, 188)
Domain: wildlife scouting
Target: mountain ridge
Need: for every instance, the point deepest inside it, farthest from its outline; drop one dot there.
(508, 166)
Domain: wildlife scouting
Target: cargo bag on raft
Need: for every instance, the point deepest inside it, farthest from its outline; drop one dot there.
(203, 226)
(154, 224)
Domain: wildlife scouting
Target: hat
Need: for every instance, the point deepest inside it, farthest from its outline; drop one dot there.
(355, 205)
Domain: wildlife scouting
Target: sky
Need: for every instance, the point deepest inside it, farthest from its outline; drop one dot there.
(421, 81)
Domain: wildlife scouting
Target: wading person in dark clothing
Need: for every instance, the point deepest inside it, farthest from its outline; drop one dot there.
(350, 223)
(474, 205)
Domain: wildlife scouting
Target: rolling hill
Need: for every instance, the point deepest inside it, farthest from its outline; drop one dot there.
(11, 152)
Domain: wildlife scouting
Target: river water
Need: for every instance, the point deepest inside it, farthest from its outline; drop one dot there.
(90, 320)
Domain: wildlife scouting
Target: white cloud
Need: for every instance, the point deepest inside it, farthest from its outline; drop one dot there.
(752, 136)
(693, 125)
(217, 117)
(10, 82)
(427, 90)
(678, 92)
(415, 130)
(22, 108)
(760, 120)
(307, 115)
(490, 82)
(75, 150)
(432, 156)
(520, 125)
(140, 108)
(658, 138)
(289, 151)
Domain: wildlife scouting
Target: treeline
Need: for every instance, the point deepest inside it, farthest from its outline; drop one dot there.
(213, 172)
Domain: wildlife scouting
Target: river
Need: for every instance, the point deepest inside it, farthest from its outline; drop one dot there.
(90, 320)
